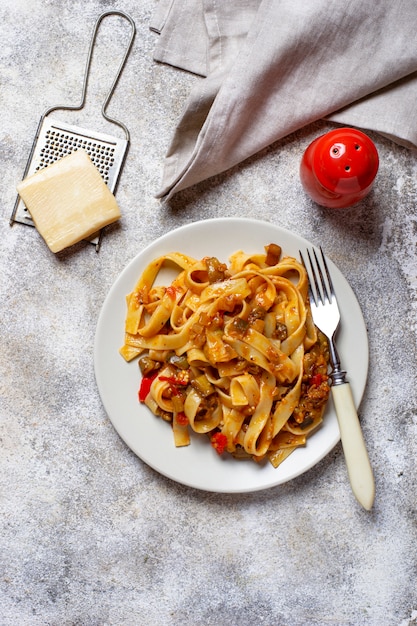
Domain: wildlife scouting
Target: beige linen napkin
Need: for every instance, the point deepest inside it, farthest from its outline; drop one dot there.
(269, 67)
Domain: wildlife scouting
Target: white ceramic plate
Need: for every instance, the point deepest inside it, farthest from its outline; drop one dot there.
(198, 465)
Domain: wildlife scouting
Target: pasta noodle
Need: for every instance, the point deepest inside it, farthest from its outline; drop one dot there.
(230, 351)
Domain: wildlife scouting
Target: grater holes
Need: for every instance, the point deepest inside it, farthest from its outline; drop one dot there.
(103, 158)
(58, 145)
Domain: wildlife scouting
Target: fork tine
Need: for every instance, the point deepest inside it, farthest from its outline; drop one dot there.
(328, 276)
(314, 269)
(311, 293)
(323, 291)
(314, 281)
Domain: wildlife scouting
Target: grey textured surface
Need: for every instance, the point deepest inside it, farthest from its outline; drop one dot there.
(89, 534)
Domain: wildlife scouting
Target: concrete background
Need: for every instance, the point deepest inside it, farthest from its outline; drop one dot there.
(90, 535)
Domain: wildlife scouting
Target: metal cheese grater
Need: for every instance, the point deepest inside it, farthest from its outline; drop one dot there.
(55, 139)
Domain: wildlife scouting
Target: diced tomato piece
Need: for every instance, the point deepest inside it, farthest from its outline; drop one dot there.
(145, 386)
(174, 381)
(171, 292)
(317, 379)
(219, 442)
(182, 419)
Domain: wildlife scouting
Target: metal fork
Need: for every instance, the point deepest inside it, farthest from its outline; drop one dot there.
(326, 316)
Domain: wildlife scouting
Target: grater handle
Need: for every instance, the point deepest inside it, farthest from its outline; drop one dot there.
(87, 72)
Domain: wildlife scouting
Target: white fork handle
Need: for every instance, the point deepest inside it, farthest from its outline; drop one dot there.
(357, 460)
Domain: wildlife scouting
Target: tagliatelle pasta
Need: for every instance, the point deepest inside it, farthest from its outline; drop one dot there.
(230, 351)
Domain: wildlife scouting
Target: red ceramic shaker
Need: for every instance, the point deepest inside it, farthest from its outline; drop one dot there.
(338, 169)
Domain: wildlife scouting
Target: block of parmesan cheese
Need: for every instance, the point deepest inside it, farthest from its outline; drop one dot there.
(68, 200)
